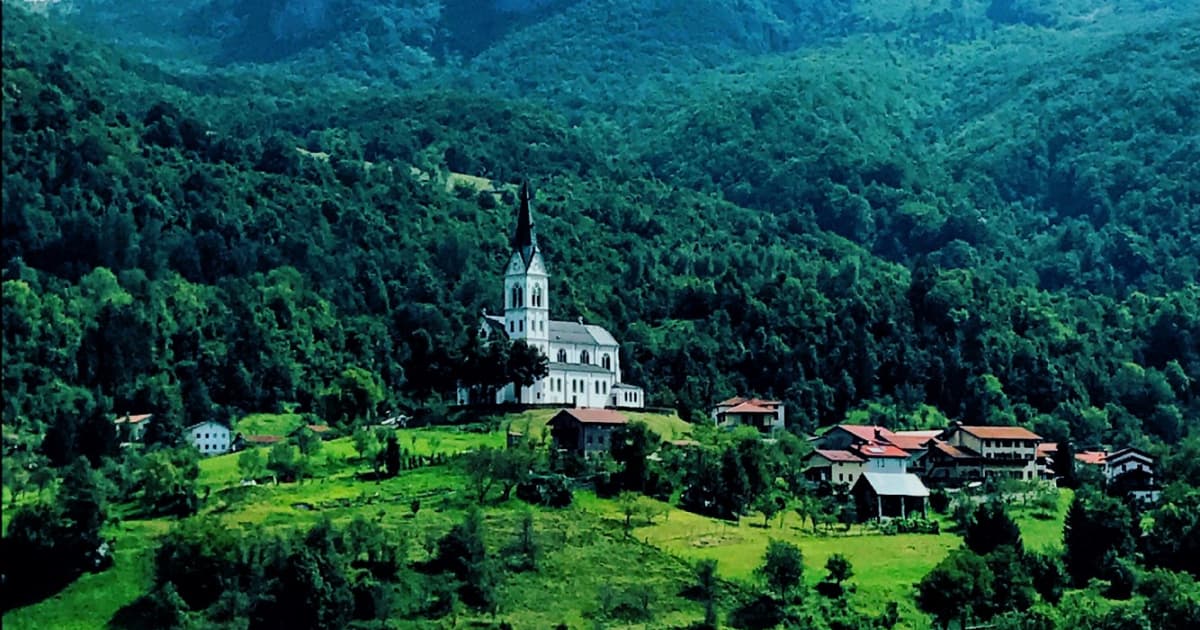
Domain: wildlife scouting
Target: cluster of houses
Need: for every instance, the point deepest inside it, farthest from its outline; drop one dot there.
(209, 438)
(889, 473)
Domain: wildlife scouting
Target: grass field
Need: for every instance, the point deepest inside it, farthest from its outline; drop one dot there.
(585, 547)
(269, 424)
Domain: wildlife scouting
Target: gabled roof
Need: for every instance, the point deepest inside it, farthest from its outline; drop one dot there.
(591, 416)
(200, 424)
(912, 440)
(998, 433)
(841, 457)
(1128, 453)
(877, 451)
(579, 333)
(866, 433)
(262, 439)
(953, 451)
(895, 484)
(133, 419)
(749, 407)
(737, 400)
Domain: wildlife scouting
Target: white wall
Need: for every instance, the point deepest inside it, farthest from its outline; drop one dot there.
(210, 438)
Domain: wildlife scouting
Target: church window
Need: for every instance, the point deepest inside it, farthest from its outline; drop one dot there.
(584, 357)
(512, 327)
(562, 356)
(521, 326)
(515, 298)
(537, 295)
(606, 362)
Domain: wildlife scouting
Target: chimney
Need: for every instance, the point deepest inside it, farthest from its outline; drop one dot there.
(878, 433)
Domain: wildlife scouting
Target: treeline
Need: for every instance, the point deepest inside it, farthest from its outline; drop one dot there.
(156, 262)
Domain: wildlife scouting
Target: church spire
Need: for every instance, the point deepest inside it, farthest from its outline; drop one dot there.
(525, 238)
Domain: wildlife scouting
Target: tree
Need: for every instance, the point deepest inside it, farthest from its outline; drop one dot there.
(958, 588)
(708, 590)
(989, 527)
(1095, 525)
(169, 481)
(524, 551)
(391, 456)
(1064, 465)
(631, 445)
(525, 365)
(365, 444)
(354, 396)
(250, 464)
(782, 571)
(769, 504)
(462, 553)
(281, 461)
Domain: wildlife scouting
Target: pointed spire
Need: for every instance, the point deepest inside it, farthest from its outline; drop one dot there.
(525, 238)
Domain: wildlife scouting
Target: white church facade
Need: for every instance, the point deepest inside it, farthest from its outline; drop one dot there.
(584, 359)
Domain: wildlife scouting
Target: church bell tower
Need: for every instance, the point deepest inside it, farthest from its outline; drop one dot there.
(526, 299)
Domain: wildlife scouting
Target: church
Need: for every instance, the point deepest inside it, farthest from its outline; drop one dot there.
(584, 359)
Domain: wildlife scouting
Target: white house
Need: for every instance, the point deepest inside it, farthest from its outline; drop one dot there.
(210, 438)
(764, 415)
(584, 359)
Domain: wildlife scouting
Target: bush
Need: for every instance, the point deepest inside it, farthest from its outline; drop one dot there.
(548, 490)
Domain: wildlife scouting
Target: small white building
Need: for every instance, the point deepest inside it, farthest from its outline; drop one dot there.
(210, 438)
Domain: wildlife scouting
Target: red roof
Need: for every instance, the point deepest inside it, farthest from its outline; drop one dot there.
(318, 428)
(262, 439)
(839, 456)
(1047, 448)
(866, 433)
(136, 419)
(952, 450)
(592, 416)
(738, 400)
(912, 440)
(749, 407)
(880, 450)
(1095, 458)
(1001, 433)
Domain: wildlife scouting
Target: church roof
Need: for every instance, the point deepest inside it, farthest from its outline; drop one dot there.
(575, 332)
(524, 239)
(577, 367)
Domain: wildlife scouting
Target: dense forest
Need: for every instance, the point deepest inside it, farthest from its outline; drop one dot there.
(897, 213)
(863, 217)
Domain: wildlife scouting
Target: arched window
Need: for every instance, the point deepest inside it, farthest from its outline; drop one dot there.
(537, 295)
(584, 357)
(606, 362)
(515, 299)
(562, 356)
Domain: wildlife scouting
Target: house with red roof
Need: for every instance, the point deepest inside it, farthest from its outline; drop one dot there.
(585, 431)
(834, 467)
(972, 452)
(767, 416)
(132, 427)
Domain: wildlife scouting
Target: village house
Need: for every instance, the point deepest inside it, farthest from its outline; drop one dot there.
(1130, 471)
(584, 367)
(766, 416)
(585, 432)
(967, 453)
(209, 437)
(132, 428)
(834, 467)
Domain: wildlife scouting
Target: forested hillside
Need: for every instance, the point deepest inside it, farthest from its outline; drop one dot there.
(171, 240)
(883, 212)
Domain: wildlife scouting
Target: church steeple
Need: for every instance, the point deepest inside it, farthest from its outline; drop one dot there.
(524, 239)
(526, 297)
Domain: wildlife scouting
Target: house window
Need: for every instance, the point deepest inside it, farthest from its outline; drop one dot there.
(562, 356)
(606, 362)
(584, 357)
